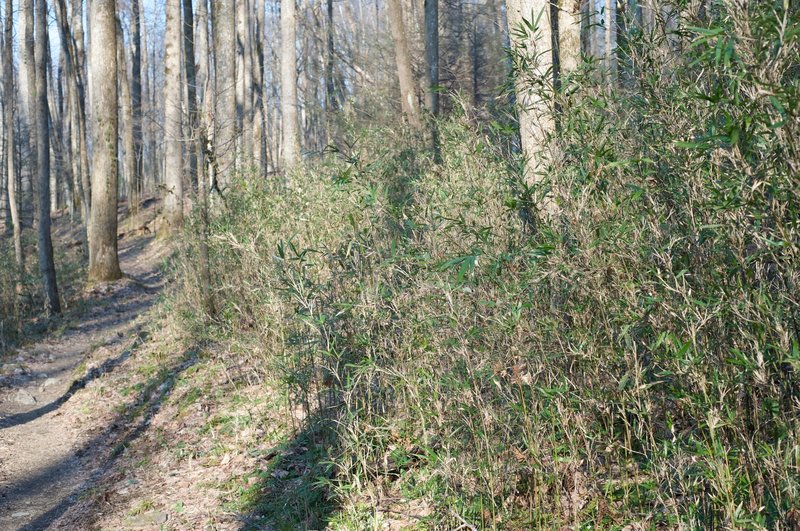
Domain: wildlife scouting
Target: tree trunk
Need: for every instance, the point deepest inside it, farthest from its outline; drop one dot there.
(533, 70)
(610, 23)
(202, 82)
(291, 139)
(331, 101)
(191, 88)
(135, 193)
(259, 121)
(126, 113)
(77, 101)
(8, 121)
(103, 258)
(29, 94)
(405, 75)
(46, 264)
(224, 92)
(173, 177)
(432, 55)
(244, 73)
(569, 35)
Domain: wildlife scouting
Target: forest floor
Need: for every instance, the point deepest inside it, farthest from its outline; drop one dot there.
(55, 437)
(112, 418)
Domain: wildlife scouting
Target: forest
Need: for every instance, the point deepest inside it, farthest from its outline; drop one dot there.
(400, 264)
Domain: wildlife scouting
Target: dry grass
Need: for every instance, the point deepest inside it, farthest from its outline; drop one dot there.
(631, 363)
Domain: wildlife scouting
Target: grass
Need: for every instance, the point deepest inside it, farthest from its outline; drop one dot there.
(431, 351)
(631, 361)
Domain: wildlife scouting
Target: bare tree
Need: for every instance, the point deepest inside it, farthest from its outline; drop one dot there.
(408, 92)
(173, 177)
(533, 52)
(8, 122)
(569, 34)
(194, 147)
(46, 264)
(432, 55)
(135, 179)
(103, 257)
(224, 26)
(28, 84)
(126, 115)
(291, 138)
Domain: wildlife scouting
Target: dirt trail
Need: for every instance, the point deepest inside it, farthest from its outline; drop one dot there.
(49, 441)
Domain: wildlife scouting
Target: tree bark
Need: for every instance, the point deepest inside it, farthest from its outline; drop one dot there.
(533, 62)
(224, 26)
(259, 121)
(432, 55)
(202, 81)
(29, 93)
(331, 101)
(77, 102)
(11, 166)
(405, 75)
(244, 74)
(134, 194)
(191, 89)
(103, 257)
(46, 264)
(173, 177)
(569, 35)
(291, 138)
(126, 113)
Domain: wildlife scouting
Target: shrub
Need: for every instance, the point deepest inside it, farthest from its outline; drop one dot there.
(632, 360)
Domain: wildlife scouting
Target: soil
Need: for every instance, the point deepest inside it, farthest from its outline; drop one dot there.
(51, 443)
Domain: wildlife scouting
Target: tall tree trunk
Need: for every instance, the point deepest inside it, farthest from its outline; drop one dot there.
(291, 138)
(103, 257)
(244, 74)
(202, 52)
(47, 266)
(610, 23)
(75, 79)
(191, 89)
(79, 58)
(259, 120)
(200, 74)
(405, 75)
(53, 130)
(432, 55)
(173, 177)
(126, 113)
(533, 63)
(11, 166)
(569, 35)
(225, 91)
(202, 81)
(134, 194)
(29, 94)
(331, 101)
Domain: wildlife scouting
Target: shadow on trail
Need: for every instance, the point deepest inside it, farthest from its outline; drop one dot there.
(120, 433)
(92, 374)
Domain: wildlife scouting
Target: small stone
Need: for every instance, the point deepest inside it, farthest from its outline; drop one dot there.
(20, 514)
(147, 519)
(19, 371)
(24, 398)
(50, 382)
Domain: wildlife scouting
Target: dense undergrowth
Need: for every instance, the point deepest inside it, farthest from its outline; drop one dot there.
(632, 359)
(20, 313)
